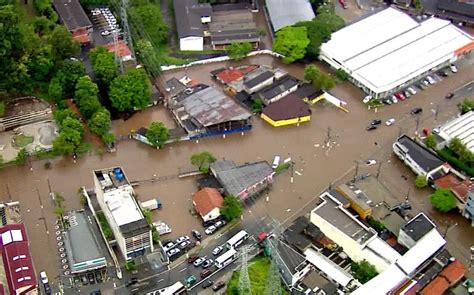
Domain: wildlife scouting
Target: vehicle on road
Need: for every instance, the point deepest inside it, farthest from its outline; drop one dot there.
(449, 95)
(182, 239)
(168, 246)
(173, 252)
(276, 162)
(370, 162)
(192, 259)
(152, 204)
(207, 284)
(47, 289)
(43, 277)
(218, 286)
(176, 288)
(430, 80)
(199, 261)
(210, 230)
(131, 282)
(390, 122)
(367, 99)
(226, 258)
(371, 127)
(411, 90)
(453, 68)
(237, 239)
(220, 223)
(343, 4)
(376, 122)
(191, 280)
(217, 250)
(197, 235)
(205, 273)
(416, 111)
(207, 263)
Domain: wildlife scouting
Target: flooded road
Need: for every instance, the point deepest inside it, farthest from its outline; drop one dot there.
(318, 164)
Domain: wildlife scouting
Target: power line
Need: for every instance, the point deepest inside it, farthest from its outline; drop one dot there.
(244, 279)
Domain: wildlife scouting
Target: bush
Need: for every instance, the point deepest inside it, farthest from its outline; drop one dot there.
(363, 271)
(375, 224)
(282, 167)
(104, 225)
(430, 141)
(130, 265)
(420, 181)
(449, 156)
(21, 157)
(342, 75)
(443, 200)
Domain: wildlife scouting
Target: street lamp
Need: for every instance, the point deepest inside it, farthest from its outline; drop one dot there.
(448, 228)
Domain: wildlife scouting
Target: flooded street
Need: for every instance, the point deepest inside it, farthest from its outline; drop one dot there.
(318, 164)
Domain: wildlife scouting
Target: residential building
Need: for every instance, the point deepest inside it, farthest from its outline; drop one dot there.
(72, 15)
(415, 229)
(390, 50)
(309, 94)
(448, 277)
(277, 90)
(208, 202)
(83, 250)
(283, 13)
(459, 185)
(469, 208)
(121, 49)
(257, 80)
(461, 127)
(116, 198)
(359, 201)
(242, 181)
(461, 12)
(203, 110)
(290, 110)
(18, 273)
(190, 16)
(417, 157)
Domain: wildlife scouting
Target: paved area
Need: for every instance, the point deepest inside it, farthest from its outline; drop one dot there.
(305, 144)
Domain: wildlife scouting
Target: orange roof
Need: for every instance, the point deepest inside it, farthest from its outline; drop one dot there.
(458, 186)
(437, 286)
(207, 199)
(121, 48)
(81, 38)
(454, 272)
(229, 75)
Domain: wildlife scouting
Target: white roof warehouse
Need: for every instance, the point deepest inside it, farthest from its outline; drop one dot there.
(388, 50)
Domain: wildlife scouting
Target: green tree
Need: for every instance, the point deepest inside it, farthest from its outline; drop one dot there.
(443, 200)
(157, 134)
(363, 271)
(238, 51)
(466, 105)
(21, 157)
(42, 25)
(108, 138)
(148, 19)
(73, 69)
(202, 161)
(103, 65)
(342, 75)
(45, 8)
(291, 42)
(257, 106)
(100, 122)
(2, 108)
(70, 136)
(86, 97)
(232, 208)
(56, 87)
(457, 146)
(63, 45)
(149, 57)
(131, 90)
(311, 72)
(60, 115)
(430, 141)
(420, 181)
(319, 79)
(41, 63)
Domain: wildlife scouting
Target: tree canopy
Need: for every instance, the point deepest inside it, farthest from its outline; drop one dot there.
(131, 90)
(202, 160)
(238, 51)
(363, 271)
(430, 141)
(147, 20)
(157, 134)
(86, 97)
(443, 200)
(70, 136)
(103, 65)
(232, 208)
(420, 181)
(149, 57)
(100, 122)
(319, 79)
(291, 42)
(466, 106)
(63, 45)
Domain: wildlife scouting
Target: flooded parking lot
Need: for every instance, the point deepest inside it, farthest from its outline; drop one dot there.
(318, 163)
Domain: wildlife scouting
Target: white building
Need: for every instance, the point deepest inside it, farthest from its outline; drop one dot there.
(389, 50)
(462, 127)
(190, 18)
(285, 13)
(116, 199)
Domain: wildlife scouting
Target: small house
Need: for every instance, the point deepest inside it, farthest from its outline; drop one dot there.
(207, 203)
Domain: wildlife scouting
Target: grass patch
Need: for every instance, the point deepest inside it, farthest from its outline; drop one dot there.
(449, 156)
(282, 167)
(2, 108)
(258, 270)
(104, 225)
(20, 141)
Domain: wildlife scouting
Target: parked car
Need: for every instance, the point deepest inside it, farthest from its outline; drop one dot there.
(43, 277)
(207, 284)
(390, 122)
(47, 289)
(197, 235)
(416, 111)
(182, 239)
(376, 122)
(449, 95)
(91, 278)
(220, 223)
(84, 280)
(367, 99)
(192, 259)
(207, 263)
(411, 90)
(371, 127)
(205, 273)
(191, 280)
(217, 286)
(387, 101)
(98, 277)
(343, 4)
(426, 82)
(421, 85)
(443, 73)
(199, 261)
(210, 230)
(184, 245)
(105, 33)
(173, 252)
(208, 223)
(430, 80)
(453, 68)
(407, 93)
(394, 99)
(168, 246)
(370, 162)
(400, 96)
(276, 162)
(96, 292)
(131, 282)
(217, 250)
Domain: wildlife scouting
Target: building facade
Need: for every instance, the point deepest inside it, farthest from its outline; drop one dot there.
(469, 208)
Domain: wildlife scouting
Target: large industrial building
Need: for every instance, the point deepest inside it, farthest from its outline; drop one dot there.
(390, 50)
(125, 217)
(461, 127)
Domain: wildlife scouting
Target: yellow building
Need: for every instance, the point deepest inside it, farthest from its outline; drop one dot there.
(360, 203)
(289, 110)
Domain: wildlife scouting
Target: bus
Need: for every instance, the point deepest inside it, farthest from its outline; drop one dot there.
(226, 258)
(176, 289)
(236, 240)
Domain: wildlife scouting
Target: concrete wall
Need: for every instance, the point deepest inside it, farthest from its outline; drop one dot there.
(285, 122)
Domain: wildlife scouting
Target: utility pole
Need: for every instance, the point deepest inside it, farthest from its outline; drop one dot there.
(448, 228)
(8, 192)
(417, 119)
(126, 27)
(244, 280)
(118, 58)
(273, 282)
(356, 170)
(328, 136)
(378, 170)
(436, 112)
(408, 194)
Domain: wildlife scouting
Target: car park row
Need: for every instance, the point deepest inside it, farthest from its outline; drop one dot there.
(106, 21)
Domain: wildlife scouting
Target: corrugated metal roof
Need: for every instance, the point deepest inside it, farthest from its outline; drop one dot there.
(287, 13)
(72, 14)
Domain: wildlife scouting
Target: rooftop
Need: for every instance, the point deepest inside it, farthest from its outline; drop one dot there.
(376, 191)
(207, 199)
(81, 244)
(287, 13)
(289, 107)
(308, 91)
(461, 127)
(209, 106)
(233, 26)
(424, 158)
(331, 269)
(459, 187)
(391, 220)
(188, 15)
(121, 48)
(294, 234)
(277, 88)
(72, 14)
(173, 86)
(418, 226)
(464, 8)
(390, 48)
(355, 195)
(251, 82)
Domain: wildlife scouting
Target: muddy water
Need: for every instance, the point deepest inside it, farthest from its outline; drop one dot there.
(318, 164)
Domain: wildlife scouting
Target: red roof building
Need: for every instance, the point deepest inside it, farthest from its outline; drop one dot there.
(17, 262)
(208, 202)
(448, 277)
(121, 48)
(458, 186)
(229, 75)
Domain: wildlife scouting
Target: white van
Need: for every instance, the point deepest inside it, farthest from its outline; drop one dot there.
(276, 162)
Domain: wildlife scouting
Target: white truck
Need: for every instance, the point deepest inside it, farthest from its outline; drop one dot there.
(162, 228)
(151, 204)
